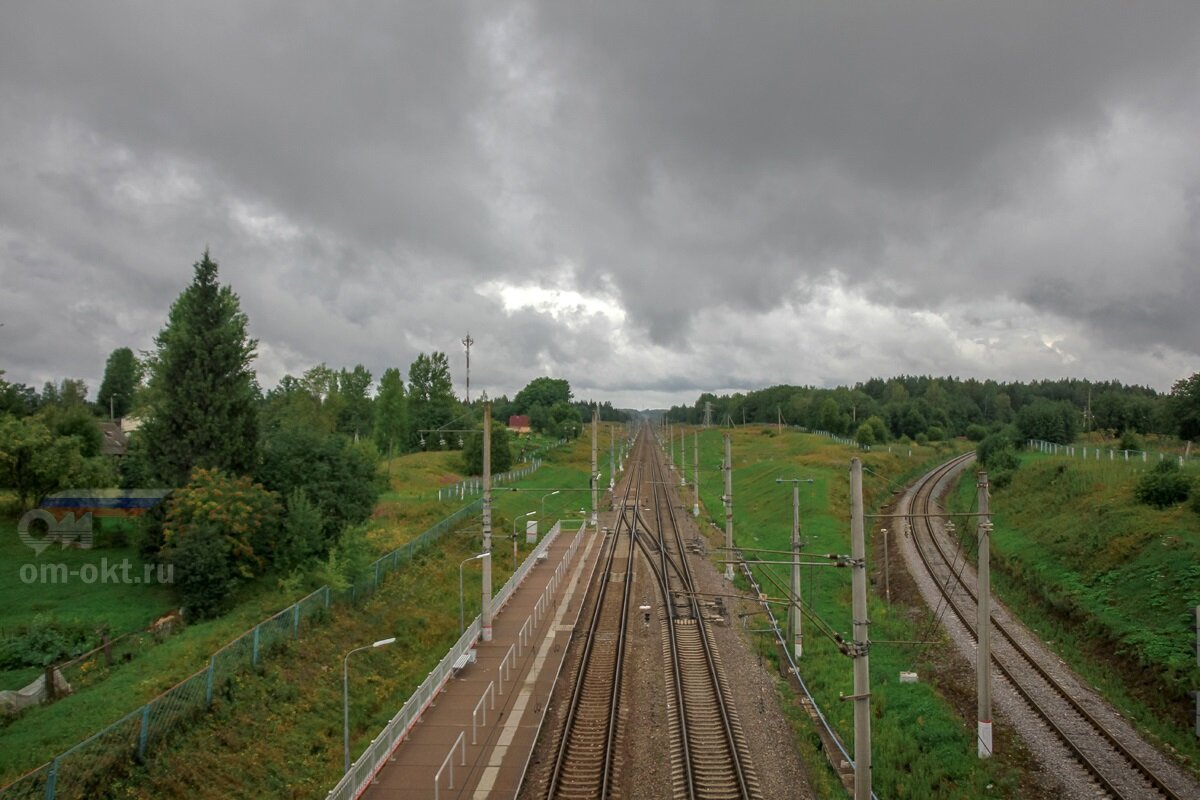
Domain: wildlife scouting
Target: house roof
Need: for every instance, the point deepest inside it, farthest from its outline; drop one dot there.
(518, 421)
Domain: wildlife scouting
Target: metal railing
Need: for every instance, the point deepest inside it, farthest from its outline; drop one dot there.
(373, 759)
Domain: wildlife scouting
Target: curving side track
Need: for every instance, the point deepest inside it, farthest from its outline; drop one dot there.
(1116, 770)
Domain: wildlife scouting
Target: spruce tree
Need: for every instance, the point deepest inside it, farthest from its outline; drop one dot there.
(391, 413)
(121, 377)
(202, 392)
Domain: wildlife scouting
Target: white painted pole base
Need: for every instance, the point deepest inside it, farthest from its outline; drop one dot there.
(695, 509)
(729, 572)
(486, 633)
(985, 739)
(799, 649)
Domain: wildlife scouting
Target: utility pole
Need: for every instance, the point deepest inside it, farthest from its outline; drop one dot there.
(467, 342)
(728, 508)
(707, 414)
(595, 474)
(795, 631)
(861, 644)
(671, 439)
(612, 456)
(683, 458)
(486, 611)
(983, 656)
(696, 482)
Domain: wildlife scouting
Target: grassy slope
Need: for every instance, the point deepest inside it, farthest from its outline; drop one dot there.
(1112, 583)
(277, 732)
(922, 746)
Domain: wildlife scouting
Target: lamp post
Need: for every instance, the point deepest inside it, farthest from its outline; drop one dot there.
(556, 491)
(515, 521)
(461, 621)
(346, 695)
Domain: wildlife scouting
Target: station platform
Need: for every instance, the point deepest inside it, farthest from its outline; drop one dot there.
(476, 739)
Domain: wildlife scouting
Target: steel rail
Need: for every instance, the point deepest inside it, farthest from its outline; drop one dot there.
(923, 495)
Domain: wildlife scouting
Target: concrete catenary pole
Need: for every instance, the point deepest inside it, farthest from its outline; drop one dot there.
(795, 631)
(595, 473)
(612, 456)
(861, 643)
(983, 623)
(671, 439)
(728, 508)
(486, 612)
(696, 476)
(683, 458)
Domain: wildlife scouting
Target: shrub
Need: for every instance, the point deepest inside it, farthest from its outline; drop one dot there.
(996, 453)
(205, 572)
(1163, 486)
(1130, 440)
(865, 434)
(43, 642)
(976, 432)
(936, 433)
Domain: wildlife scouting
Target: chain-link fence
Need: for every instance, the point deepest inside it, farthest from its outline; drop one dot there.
(82, 770)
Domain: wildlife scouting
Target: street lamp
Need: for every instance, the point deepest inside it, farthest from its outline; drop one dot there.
(461, 622)
(556, 491)
(346, 695)
(530, 514)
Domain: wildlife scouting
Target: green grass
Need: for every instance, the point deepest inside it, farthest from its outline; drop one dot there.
(1111, 583)
(922, 748)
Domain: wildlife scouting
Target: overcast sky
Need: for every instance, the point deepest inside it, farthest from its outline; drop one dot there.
(649, 199)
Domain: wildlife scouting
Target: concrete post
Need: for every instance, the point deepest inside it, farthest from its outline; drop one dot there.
(696, 475)
(728, 508)
(983, 656)
(486, 610)
(861, 643)
(795, 631)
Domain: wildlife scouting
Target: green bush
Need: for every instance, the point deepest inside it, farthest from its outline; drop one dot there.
(1165, 485)
(996, 453)
(205, 571)
(1130, 440)
(976, 432)
(43, 642)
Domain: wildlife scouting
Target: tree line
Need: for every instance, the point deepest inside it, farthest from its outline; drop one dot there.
(926, 408)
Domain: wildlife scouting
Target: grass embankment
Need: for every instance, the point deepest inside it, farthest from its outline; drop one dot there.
(923, 748)
(1111, 584)
(276, 732)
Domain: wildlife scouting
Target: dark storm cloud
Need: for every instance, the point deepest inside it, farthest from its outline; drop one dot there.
(804, 192)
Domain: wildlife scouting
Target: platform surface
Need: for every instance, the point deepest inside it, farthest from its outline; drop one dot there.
(498, 702)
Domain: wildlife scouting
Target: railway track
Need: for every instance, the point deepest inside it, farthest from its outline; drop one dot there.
(1115, 769)
(708, 752)
(588, 762)
(709, 755)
